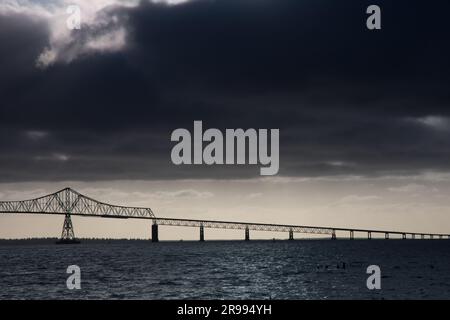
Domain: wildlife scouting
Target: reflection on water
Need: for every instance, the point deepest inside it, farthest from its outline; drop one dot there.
(228, 270)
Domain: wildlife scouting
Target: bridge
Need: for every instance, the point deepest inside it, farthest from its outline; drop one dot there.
(69, 202)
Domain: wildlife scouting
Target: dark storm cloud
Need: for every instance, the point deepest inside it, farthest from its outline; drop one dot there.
(346, 100)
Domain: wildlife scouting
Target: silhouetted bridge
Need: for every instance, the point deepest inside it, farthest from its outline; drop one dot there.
(69, 203)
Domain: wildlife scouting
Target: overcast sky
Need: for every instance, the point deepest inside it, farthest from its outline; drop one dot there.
(96, 106)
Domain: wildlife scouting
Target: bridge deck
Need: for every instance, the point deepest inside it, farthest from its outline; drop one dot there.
(239, 225)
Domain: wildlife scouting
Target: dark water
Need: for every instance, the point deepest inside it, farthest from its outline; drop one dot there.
(228, 270)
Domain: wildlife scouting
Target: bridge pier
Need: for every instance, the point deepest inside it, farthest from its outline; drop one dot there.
(202, 233)
(333, 235)
(386, 235)
(247, 234)
(369, 235)
(431, 236)
(291, 235)
(352, 235)
(67, 234)
(155, 237)
(403, 236)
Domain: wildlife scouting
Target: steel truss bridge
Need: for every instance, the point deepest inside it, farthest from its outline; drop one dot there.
(69, 202)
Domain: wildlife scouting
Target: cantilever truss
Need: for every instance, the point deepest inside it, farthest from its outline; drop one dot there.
(69, 202)
(72, 202)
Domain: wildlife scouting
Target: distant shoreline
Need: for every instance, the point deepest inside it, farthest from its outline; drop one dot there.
(53, 240)
(45, 241)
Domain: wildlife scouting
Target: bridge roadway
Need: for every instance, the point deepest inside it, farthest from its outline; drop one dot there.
(247, 226)
(69, 203)
(291, 229)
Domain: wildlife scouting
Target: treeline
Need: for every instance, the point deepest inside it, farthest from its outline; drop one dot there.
(53, 240)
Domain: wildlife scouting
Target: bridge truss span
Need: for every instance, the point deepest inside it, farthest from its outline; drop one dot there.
(242, 226)
(69, 201)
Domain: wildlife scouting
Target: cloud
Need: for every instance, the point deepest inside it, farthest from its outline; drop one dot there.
(101, 27)
(53, 157)
(255, 195)
(119, 196)
(18, 195)
(413, 188)
(340, 163)
(188, 193)
(36, 134)
(136, 71)
(358, 199)
(439, 123)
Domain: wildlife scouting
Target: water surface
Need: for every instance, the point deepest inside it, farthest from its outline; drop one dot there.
(311, 269)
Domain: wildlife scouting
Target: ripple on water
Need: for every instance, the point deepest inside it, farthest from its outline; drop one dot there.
(225, 270)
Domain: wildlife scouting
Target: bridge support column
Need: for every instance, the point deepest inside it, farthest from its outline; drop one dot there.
(422, 236)
(247, 234)
(386, 235)
(155, 237)
(352, 235)
(291, 235)
(440, 236)
(333, 235)
(431, 236)
(369, 235)
(67, 234)
(403, 236)
(202, 233)
(413, 236)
